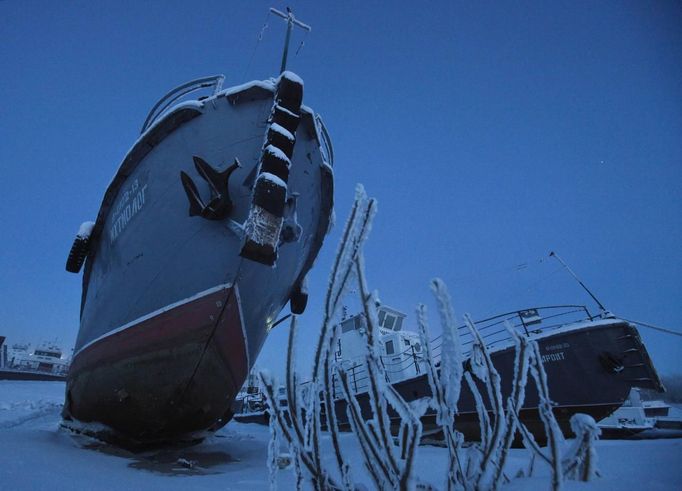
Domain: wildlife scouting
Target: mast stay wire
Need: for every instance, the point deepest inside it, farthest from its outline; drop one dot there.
(517, 268)
(655, 328)
(261, 34)
(534, 286)
(300, 46)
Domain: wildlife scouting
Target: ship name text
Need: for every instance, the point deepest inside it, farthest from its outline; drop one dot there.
(557, 347)
(132, 201)
(553, 357)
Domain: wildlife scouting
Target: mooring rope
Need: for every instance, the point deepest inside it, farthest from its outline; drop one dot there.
(655, 328)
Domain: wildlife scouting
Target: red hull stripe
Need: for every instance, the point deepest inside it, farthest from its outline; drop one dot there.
(230, 340)
(189, 321)
(156, 313)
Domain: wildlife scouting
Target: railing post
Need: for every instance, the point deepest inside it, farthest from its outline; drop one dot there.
(414, 358)
(383, 365)
(523, 324)
(334, 385)
(355, 382)
(588, 313)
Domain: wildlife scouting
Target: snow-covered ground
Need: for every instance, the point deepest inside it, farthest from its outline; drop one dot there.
(36, 454)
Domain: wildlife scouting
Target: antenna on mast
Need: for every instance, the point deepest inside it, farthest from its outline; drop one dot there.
(601, 306)
(291, 22)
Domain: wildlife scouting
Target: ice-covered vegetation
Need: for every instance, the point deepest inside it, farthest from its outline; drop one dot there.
(389, 440)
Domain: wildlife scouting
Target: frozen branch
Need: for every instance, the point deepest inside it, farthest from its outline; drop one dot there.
(554, 436)
(481, 356)
(389, 435)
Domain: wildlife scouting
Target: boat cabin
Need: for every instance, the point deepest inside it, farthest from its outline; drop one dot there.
(401, 351)
(47, 357)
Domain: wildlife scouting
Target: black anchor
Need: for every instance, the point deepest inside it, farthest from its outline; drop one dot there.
(220, 205)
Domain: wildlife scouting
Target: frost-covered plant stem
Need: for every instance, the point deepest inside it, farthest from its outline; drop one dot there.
(273, 452)
(580, 462)
(303, 432)
(389, 461)
(330, 414)
(375, 437)
(374, 369)
(449, 383)
(374, 461)
(310, 459)
(297, 467)
(481, 410)
(515, 401)
(445, 415)
(355, 233)
(277, 413)
(492, 380)
(529, 441)
(485, 464)
(291, 381)
(554, 436)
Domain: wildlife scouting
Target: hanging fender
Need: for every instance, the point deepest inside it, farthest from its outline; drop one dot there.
(263, 227)
(80, 248)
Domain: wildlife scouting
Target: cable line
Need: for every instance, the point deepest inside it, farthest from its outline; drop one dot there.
(655, 328)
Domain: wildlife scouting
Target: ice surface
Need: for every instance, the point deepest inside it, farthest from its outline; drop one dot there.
(36, 454)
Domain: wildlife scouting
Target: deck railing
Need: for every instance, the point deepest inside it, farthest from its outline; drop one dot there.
(214, 82)
(327, 148)
(411, 363)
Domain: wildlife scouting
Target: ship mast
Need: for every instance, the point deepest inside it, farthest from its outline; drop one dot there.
(554, 254)
(291, 22)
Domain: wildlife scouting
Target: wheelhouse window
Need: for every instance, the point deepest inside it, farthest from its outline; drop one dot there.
(348, 325)
(389, 347)
(398, 324)
(390, 320)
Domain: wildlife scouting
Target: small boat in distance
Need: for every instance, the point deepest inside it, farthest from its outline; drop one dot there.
(208, 229)
(46, 362)
(250, 405)
(640, 419)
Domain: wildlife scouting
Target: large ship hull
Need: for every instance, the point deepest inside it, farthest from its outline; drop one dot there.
(590, 369)
(173, 315)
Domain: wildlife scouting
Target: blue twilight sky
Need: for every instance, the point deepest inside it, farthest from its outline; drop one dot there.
(491, 133)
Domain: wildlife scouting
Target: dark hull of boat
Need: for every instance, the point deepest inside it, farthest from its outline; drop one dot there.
(261, 418)
(7, 374)
(590, 370)
(168, 378)
(624, 433)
